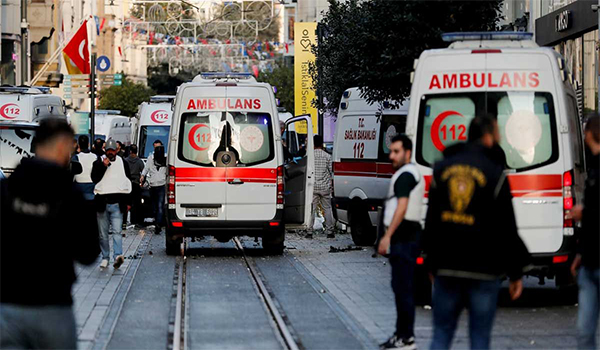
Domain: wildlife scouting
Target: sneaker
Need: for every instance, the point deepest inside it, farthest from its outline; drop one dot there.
(104, 263)
(331, 235)
(401, 344)
(119, 261)
(309, 235)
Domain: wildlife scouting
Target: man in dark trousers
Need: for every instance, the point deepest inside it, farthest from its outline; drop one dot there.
(401, 218)
(46, 225)
(587, 260)
(470, 238)
(136, 166)
(111, 175)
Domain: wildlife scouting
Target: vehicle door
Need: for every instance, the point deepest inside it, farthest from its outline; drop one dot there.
(299, 174)
(249, 143)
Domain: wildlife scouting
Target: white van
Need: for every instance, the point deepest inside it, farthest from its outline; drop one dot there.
(227, 171)
(529, 91)
(16, 139)
(109, 125)
(361, 165)
(154, 124)
(29, 104)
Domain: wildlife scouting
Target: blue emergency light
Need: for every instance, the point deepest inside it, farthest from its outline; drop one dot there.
(466, 36)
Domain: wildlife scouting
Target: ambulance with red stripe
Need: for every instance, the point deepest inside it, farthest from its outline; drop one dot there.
(529, 91)
(154, 124)
(361, 166)
(227, 172)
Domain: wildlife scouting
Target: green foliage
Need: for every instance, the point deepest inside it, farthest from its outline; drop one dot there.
(281, 77)
(160, 81)
(373, 44)
(125, 98)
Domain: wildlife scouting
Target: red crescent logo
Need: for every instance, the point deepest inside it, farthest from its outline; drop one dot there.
(14, 112)
(160, 116)
(435, 129)
(192, 139)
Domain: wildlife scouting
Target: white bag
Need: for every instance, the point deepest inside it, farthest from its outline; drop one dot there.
(318, 223)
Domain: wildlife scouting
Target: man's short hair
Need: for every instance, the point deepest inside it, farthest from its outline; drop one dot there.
(593, 125)
(157, 141)
(481, 126)
(50, 129)
(84, 142)
(133, 149)
(120, 144)
(318, 140)
(406, 142)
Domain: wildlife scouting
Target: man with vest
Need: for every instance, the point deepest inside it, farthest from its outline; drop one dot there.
(470, 239)
(401, 218)
(86, 159)
(111, 175)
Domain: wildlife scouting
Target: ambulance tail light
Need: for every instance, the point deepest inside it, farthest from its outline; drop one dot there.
(568, 200)
(486, 51)
(280, 187)
(171, 187)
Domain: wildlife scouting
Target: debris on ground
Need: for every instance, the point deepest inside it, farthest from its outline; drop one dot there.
(333, 249)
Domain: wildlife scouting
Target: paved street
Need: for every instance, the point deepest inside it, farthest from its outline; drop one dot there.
(329, 300)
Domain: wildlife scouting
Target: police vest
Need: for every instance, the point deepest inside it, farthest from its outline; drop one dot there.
(415, 199)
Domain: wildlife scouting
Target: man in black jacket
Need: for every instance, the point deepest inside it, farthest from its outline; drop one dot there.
(111, 175)
(588, 247)
(470, 238)
(45, 226)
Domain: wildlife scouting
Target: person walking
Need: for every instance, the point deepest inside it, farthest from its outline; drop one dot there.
(469, 230)
(586, 265)
(323, 188)
(155, 173)
(86, 159)
(112, 192)
(136, 167)
(401, 219)
(38, 248)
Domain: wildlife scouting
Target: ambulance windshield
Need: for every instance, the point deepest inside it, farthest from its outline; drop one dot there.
(526, 121)
(15, 144)
(246, 135)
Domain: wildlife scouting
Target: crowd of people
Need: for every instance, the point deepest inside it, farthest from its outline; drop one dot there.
(470, 223)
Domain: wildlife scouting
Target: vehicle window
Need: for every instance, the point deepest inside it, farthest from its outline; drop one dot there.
(149, 134)
(15, 143)
(575, 126)
(391, 125)
(526, 123)
(248, 135)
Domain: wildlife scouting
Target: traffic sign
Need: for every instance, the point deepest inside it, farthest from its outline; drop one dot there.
(111, 76)
(77, 76)
(77, 89)
(103, 64)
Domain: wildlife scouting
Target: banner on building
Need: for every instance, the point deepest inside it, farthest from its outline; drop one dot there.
(305, 36)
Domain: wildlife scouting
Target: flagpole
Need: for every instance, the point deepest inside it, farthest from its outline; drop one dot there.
(93, 95)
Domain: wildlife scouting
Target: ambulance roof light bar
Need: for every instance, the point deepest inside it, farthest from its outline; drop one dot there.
(162, 98)
(466, 36)
(25, 89)
(226, 75)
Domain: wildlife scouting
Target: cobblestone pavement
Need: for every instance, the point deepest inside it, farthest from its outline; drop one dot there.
(541, 319)
(95, 289)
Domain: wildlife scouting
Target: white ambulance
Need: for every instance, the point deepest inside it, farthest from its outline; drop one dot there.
(529, 91)
(227, 171)
(154, 124)
(29, 104)
(361, 165)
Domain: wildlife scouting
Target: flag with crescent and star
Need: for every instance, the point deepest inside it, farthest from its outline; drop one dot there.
(77, 49)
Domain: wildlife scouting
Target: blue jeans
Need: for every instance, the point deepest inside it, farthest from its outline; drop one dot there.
(587, 319)
(157, 194)
(37, 327)
(113, 216)
(450, 296)
(403, 257)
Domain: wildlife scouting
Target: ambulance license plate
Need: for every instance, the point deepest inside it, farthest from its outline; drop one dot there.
(202, 212)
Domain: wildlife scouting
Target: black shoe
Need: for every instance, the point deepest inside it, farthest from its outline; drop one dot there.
(401, 344)
(331, 235)
(157, 230)
(309, 236)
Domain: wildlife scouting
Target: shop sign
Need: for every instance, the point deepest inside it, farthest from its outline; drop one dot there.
(563, 21)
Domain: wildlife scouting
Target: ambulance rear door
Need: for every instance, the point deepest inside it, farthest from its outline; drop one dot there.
(299, 171)
(248, 126)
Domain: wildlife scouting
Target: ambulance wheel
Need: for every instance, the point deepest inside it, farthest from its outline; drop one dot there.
(173, 245)
(363, 233)
(275, 243)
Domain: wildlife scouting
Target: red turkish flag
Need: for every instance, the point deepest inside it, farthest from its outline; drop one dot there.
(77, 49)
